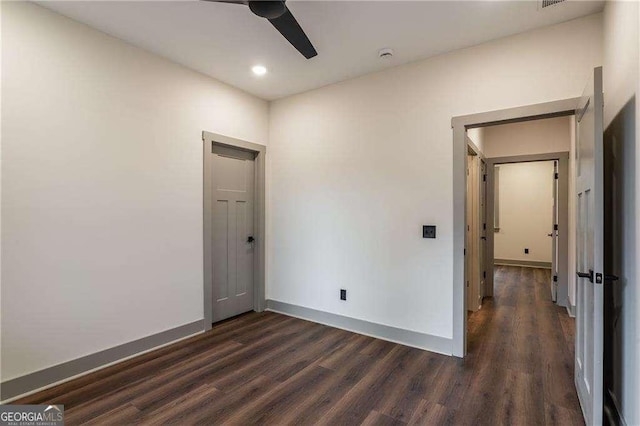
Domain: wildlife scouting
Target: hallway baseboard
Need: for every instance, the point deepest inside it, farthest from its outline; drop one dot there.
(523, 263)
(571, 310)
(428, 342)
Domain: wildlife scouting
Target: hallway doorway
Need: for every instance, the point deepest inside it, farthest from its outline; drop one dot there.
(528, 218)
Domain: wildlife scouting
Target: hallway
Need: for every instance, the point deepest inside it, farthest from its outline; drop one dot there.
(522, 344)
(268, 368)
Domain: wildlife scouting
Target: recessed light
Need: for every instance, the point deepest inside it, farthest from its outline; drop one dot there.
(259, 70)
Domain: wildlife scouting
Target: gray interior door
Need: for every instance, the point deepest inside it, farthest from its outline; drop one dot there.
(233, 241)
(483, 229)
(468, 270)
(589, 251)
(554, 236)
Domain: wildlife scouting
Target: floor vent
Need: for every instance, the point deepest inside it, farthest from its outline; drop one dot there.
(548, 3)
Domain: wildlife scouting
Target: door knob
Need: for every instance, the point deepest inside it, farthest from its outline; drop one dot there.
(586, 275)
(549, 235)
(250, 239)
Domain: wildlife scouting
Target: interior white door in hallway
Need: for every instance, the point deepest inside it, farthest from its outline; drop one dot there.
(233, 240)
(554, 236)
(589, 250)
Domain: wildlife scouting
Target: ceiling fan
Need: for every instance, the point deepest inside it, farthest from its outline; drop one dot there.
(281, 18)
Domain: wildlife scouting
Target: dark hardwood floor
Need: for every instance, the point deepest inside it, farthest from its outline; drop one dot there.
(271, 369)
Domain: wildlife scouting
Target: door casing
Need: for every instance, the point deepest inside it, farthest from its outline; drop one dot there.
(209, 140)
(460, 125)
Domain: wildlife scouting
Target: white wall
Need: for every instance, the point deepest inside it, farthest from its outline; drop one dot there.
(621, 80)
(1, 32)
(526, 211)
(358, 167)
(527, 138)
(477, 137)
(101, 187)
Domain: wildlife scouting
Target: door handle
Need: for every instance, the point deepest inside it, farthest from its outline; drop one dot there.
(549, 235)
(483, 238)
(586, 275)
(250, 239)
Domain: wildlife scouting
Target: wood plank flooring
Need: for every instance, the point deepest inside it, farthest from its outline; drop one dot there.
(271, 369)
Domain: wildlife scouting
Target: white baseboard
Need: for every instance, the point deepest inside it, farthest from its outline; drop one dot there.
(571, 310)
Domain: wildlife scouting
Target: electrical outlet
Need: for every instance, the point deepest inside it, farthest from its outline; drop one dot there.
(343, 294)
(526, 251)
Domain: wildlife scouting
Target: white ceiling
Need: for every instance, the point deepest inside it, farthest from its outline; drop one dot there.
(226, 40)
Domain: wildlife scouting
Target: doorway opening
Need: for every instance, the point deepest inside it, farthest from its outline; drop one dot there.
(521, 248)
(469, 136)
(234, 227)
(517, 205)
(528, 216)
(588, 229)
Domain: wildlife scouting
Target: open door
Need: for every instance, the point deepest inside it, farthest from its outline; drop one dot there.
(554, 236)
(483, 229)
(589, 250)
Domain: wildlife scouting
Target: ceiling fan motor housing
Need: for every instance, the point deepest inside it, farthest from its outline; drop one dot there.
(268, 9)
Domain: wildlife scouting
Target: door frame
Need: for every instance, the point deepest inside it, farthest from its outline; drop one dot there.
(460, 125)
(563, 215)
(210, 139)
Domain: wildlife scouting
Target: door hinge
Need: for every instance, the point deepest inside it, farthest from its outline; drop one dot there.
(484, 274)
(484, 178)
(555, 278)
(484, 226)
(555, 175)
(555, 227)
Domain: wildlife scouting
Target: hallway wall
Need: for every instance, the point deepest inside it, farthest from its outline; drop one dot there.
(527, 137)
(526, 212)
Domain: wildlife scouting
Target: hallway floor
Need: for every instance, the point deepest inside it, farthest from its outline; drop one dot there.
(521, 344)
(272, 369)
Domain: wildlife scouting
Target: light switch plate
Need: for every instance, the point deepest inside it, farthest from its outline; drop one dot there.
(428, 231)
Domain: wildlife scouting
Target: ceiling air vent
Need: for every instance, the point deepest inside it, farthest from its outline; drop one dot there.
(548, 3)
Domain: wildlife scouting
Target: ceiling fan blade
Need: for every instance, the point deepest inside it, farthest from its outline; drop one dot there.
(291, 30)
